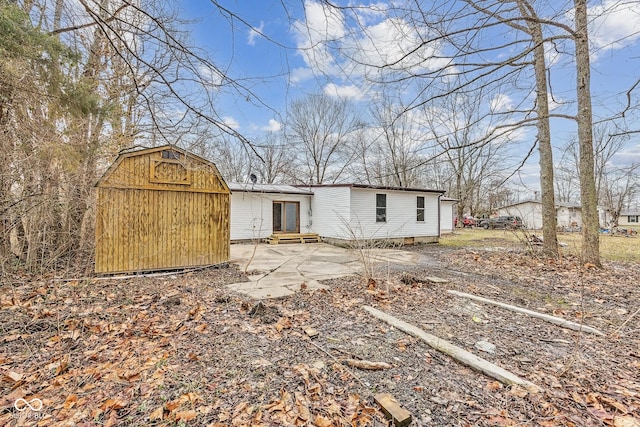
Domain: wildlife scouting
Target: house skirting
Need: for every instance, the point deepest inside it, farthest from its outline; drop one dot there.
(381, 243)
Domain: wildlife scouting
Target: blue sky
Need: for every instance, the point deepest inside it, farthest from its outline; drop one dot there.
(278, 72)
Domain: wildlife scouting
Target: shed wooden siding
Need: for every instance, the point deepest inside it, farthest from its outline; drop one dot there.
(149, 219)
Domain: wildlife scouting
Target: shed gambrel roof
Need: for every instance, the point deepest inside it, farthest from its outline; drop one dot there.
(193, 159)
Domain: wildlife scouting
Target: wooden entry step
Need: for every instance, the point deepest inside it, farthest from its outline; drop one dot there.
(276, 239)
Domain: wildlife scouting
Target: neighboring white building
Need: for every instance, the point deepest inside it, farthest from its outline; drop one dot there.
(568, 215)
(447, 215)
(258, 210)
(339, 212)
(629, 219)
(529, 211)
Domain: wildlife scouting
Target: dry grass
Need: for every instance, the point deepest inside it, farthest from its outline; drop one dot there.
(612, 247)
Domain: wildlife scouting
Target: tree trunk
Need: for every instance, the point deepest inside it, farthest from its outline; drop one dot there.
(589, 199)
(550, 238)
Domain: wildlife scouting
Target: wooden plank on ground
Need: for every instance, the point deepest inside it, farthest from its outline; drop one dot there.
(434, 279)
(400, 416)
(459, 354)
(547, 318)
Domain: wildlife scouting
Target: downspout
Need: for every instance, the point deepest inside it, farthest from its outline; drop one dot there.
(439, 215)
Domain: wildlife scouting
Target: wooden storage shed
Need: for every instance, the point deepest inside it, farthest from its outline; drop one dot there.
(161, 208)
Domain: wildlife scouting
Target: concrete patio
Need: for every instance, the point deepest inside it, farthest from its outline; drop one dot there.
(280, 270)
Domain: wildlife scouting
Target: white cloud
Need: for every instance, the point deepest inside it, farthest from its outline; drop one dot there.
(255, 33)
(273, 126)
(301, 74)
(614, 24)
(322, 24)
(501, 102)
(211, 77)
(330, 50)
(555, 102)
(231, 122)
(350, 91)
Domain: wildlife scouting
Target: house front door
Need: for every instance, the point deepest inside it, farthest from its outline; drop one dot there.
(286, 217)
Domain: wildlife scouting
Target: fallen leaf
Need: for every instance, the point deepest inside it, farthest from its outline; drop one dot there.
(283, 323)
(322, 421)
(626, 421)
(12, 376)
(114, 404)
(70, 401)
(493, 386)
(186, 415)
(157, 414)
(519, 391)
(173, 405)
(261, 363)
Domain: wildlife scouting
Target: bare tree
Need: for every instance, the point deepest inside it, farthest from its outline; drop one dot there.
(460, 30)
(318, 128)
(615, 182)
(398, 140)
(274, 168)
(460, 126)
(95, 76)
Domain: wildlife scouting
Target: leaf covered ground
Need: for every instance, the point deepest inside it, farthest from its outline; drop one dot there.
(183, 350)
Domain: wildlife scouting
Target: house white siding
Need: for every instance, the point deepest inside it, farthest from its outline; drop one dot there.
(629, 219)
(569, 216)
(252, 213)
(529, 212)
(330, 211)
(401, 214)
(447, 216)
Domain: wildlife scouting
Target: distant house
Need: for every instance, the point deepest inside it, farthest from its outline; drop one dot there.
(338, 213)
(568, 215)
(629, 219)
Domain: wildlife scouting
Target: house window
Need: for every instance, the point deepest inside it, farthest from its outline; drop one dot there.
(633, 218)
(381, 208)
(420, 209)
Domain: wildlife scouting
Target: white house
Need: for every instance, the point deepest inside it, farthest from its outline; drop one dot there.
(258, 210)
(629, 219)
(568, 215)
(338, 213)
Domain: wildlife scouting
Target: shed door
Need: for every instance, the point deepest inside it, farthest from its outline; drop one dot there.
(286, 217)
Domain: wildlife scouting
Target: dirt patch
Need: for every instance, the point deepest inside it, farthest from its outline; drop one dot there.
(184, 349)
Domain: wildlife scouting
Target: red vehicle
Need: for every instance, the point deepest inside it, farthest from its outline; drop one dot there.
(467, 221)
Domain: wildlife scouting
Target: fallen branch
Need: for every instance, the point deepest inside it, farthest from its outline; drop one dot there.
(337, 361)
(625, 322)
(455, 352)
(547, 318)
(368, 365)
